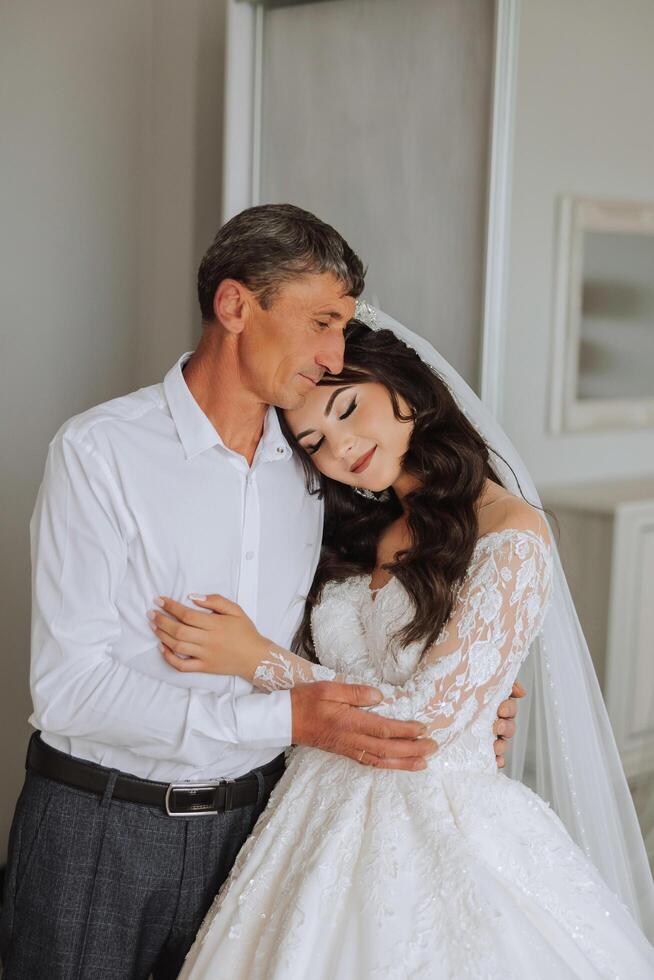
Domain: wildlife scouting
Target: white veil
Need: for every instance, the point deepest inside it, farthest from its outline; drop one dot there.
(564, 746)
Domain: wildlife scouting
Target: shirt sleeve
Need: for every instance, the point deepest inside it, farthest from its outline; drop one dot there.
(79, 537)
(498, 613)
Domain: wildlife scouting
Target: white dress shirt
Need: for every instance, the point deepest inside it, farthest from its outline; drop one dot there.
(141, 498)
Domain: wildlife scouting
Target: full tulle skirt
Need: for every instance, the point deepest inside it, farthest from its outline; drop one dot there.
(353, 873)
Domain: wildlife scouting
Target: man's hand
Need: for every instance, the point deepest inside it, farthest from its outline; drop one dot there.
(327, 715)
(504, 727)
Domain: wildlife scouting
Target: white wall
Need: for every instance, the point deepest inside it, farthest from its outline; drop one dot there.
(584, 125)
(111, 120)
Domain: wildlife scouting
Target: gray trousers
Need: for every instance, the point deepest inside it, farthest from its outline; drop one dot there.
(101, 889)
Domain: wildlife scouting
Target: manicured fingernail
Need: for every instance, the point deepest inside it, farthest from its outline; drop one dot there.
(420, 764)
(153, 627)
(197, 595)
(151, 614)
(159, 601)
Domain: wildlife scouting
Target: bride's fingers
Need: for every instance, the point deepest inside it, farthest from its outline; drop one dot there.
(185, 664)
(172, 628)
(217, 603)
(179, 646)
(185, 614)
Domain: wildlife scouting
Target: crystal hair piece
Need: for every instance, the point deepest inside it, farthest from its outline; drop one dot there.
(366, 313)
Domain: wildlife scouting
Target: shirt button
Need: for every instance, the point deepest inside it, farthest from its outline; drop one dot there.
(280, 449)
(249, 555)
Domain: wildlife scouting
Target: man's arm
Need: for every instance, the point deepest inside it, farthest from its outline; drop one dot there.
(79, 533)
(328, 715)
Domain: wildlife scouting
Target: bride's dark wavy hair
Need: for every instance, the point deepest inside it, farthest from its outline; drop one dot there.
(445, 453)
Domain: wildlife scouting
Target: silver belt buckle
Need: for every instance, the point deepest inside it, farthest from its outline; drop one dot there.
(192, 788)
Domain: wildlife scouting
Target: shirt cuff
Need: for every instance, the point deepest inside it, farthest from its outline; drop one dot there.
(264, 720)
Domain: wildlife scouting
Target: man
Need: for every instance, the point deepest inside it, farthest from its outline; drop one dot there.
(145, 781)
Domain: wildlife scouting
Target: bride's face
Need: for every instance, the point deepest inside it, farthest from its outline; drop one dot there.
(351, 433)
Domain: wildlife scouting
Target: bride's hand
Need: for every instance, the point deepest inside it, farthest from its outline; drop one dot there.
(226, 642)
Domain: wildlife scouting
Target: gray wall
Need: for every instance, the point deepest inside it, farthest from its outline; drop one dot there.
(111, 155)
(376, 116)
(584, 125)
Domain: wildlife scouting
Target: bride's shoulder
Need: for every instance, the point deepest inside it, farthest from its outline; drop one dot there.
(513, 513)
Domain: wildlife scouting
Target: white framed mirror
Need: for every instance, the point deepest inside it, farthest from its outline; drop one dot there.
(603, 352)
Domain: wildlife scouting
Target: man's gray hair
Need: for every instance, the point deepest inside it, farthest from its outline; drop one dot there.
(271, 244)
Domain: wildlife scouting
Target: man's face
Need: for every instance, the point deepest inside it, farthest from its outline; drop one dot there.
(286, 349)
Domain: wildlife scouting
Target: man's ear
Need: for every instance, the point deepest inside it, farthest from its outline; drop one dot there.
(232, 304)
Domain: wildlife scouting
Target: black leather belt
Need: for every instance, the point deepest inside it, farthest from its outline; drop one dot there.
(176, 799)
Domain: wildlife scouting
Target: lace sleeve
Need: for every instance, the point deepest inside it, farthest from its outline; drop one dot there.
(498, 613)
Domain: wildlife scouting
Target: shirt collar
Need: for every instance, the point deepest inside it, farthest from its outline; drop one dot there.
(197, 433)
(273, 445)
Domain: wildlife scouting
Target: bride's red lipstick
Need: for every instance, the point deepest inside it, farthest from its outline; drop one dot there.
(363, 461)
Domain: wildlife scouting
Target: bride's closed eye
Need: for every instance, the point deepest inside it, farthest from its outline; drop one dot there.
(312, 450)
(349, 409)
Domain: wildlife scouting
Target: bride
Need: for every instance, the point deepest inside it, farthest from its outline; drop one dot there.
(435, 580)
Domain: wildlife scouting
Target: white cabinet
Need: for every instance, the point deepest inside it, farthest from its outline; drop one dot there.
(607, 550)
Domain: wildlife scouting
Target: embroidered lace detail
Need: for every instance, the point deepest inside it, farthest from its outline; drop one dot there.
(276, 674)
(465, 673)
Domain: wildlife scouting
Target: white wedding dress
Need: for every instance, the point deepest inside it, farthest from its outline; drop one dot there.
(355, 873)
